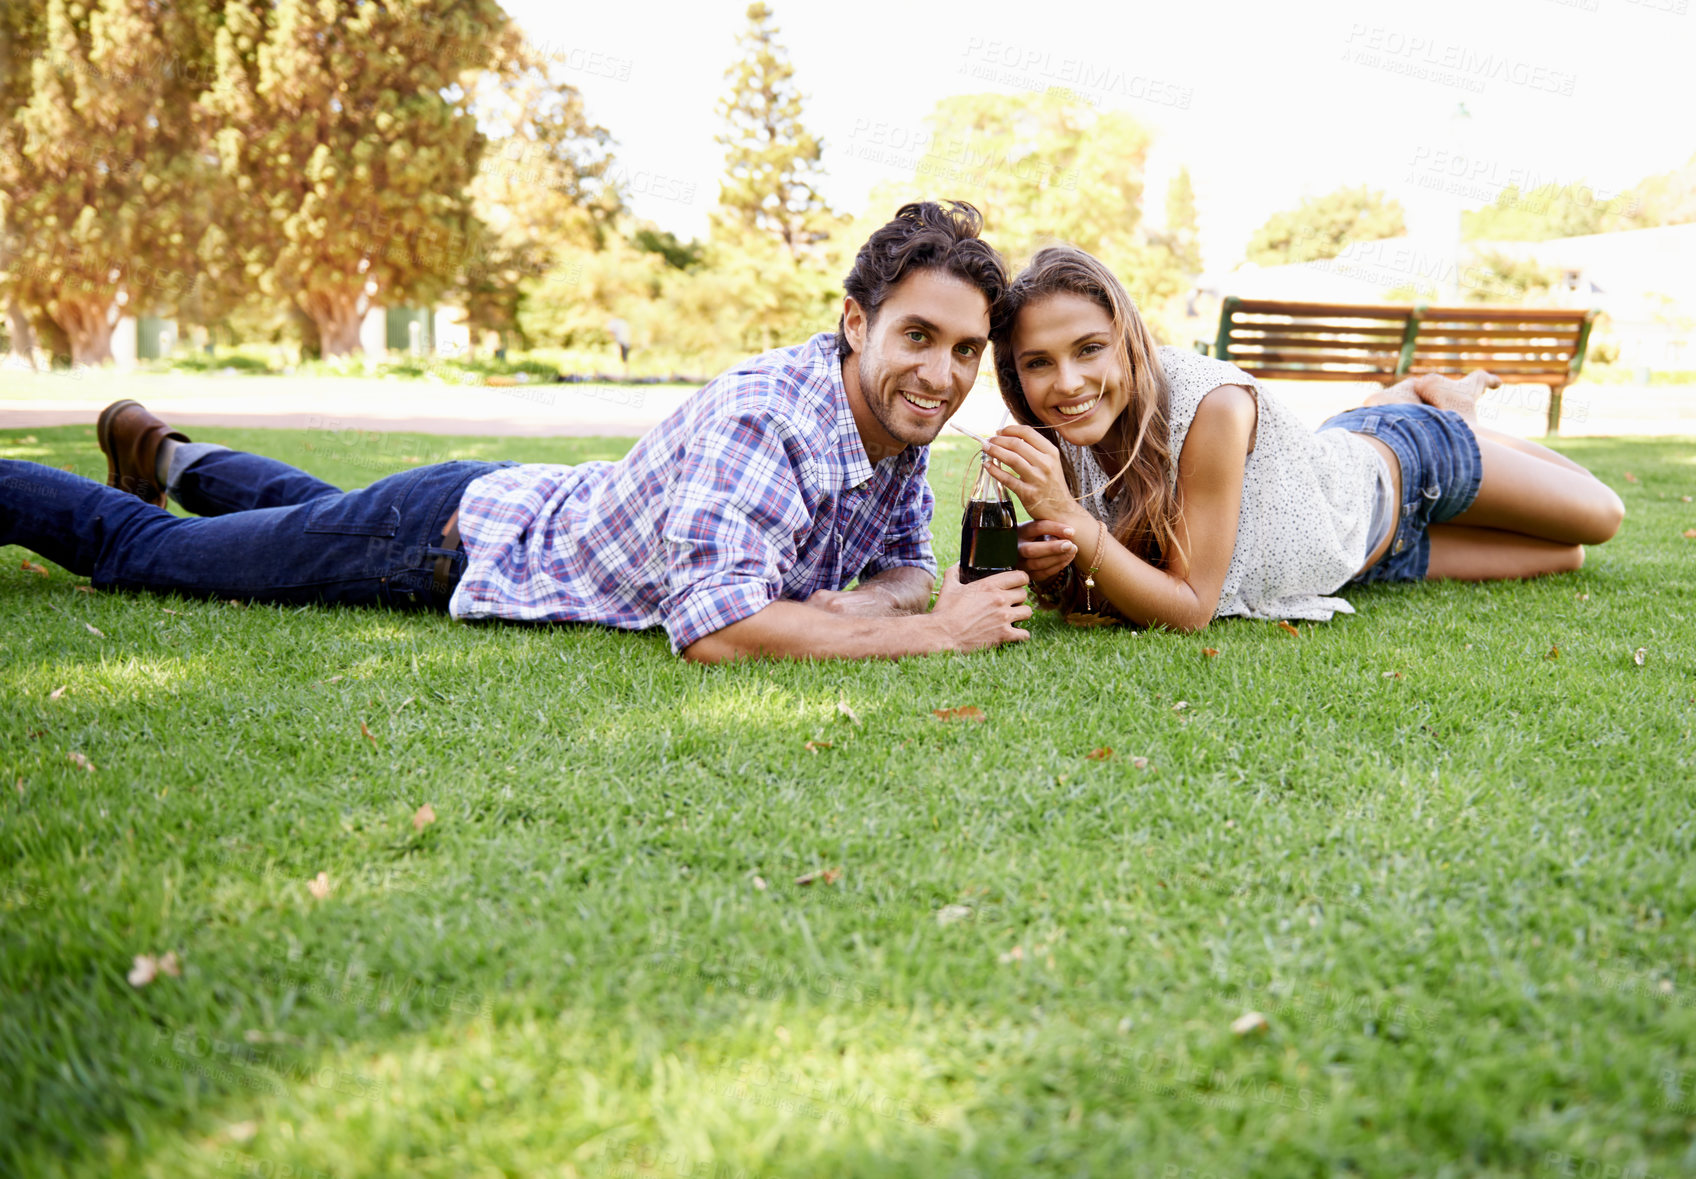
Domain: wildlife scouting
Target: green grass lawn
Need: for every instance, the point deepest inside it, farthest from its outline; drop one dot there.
(1447, 847)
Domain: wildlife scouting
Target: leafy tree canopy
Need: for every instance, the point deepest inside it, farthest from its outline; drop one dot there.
(1324, 226)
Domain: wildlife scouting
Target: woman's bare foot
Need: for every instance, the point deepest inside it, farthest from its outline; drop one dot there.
(1460, 396)
(1401, 393)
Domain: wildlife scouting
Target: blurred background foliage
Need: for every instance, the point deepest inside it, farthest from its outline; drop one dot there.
(266, 172)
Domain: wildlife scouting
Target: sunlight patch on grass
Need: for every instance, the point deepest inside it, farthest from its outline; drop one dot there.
(538, 1090)
(111, 680)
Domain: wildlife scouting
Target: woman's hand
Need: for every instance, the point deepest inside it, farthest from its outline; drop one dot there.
(1045, 549)
(1034, 473)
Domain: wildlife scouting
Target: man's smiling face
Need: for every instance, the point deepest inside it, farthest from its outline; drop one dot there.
(915, 361)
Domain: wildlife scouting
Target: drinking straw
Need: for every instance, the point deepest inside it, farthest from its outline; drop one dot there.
(978, 438)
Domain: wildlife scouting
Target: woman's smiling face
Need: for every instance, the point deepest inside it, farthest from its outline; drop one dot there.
(1068, 366)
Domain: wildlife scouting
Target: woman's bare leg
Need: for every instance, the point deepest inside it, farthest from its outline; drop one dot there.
(1462, 397)
(1536, 509)
(1525, 494)
(1488, 554)
(1526, 446)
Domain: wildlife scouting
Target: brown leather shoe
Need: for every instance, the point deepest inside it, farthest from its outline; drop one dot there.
(130, 437)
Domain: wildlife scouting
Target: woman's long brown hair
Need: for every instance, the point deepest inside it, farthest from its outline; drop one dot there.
(1143, 513)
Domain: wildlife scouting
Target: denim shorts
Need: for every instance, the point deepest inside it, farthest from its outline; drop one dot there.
(1441, 471)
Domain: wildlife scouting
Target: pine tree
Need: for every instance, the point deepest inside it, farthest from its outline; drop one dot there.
(772, 162)
(1183, 232)
(347, 130)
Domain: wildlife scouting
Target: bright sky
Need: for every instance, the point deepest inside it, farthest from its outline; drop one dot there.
(1265, 103)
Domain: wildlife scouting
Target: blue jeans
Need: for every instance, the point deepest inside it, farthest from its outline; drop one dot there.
(267, 532)
(1442, 470)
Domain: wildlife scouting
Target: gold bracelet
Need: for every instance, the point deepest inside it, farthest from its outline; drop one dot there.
(1089, 578)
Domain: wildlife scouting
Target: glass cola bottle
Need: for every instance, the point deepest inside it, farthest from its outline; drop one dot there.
(989, 532)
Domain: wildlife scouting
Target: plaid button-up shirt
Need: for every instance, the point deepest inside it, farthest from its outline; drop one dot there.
(756, 489)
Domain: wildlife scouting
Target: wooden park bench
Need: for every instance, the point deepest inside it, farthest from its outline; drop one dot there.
(1386, 342)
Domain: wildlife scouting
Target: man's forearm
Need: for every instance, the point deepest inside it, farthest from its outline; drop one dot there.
(909, 588)
(795, 630)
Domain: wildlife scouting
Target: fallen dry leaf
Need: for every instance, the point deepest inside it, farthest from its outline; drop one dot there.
(366, 733)
(319, 886)
(1685, 498)
(1690, 534)
(1249, 1021)
(335, 679)
(815, 746)
(827, 875)
(1630, 478)
(1016, 954)
(32, 567)
(1099, 754)
(969, 712)
(1209, 652)
(760, 883)
(78, 759)
(235, 602)
(144, 971)
(86, 589)
(1180, 706)
(1392, 675)
(423, 817)
(178, 613)
(242, 1131)
(94, 630)
(1283, 624)
(843, 709)
(57, 692)
(1639, 655)
(1554, 653)
(168, 964)
(1140, 763)
(949, 914)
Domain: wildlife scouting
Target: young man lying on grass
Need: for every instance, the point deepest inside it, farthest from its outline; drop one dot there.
(735, 524)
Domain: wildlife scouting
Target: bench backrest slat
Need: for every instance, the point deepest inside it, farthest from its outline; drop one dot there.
(1522, 342)
(1383, 341)
(1312, 341)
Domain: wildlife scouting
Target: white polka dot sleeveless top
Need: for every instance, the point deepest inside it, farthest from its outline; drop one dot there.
(1306, 506)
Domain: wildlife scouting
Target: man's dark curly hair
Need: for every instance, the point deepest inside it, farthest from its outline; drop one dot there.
(925, 235)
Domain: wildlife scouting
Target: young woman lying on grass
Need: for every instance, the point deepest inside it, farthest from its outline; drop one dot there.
(1220, 502)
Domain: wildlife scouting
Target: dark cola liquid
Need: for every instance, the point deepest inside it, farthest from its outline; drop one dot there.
(989, 540)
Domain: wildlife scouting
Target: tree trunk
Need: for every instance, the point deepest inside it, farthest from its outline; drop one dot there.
(23, 339)
(311, 347)
(55, 345)
(88, 323)
(337, 316)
